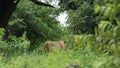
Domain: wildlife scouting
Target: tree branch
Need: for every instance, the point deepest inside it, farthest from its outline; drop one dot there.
(17, 1)
(42, 4)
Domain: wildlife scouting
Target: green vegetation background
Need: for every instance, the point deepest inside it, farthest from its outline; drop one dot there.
(93, 35)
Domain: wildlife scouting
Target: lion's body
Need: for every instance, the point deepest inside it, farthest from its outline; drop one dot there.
(50, 44)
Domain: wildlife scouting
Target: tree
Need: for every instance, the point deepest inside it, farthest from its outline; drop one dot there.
(35, 24)
(7, 7)
(82, 18)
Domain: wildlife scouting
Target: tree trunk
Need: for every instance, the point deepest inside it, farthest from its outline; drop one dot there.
(7, 7)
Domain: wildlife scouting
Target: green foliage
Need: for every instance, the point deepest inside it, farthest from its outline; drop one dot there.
(15, 47)
(107, 33)
(109, 12)
(84, 53)
(98, 45)
(37, 23)
(82, 18)
(59, 59)
(1, 32)
(18, 28)
(101, 50)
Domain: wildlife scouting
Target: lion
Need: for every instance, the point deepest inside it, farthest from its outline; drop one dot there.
(58, 44)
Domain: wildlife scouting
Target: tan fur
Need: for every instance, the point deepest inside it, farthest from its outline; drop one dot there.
(50, 44)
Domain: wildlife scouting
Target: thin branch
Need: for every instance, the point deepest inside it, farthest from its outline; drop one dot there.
(17, 1)
(42, 4)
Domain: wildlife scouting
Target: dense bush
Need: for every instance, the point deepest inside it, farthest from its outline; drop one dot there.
(59, 59)
(13, 47)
